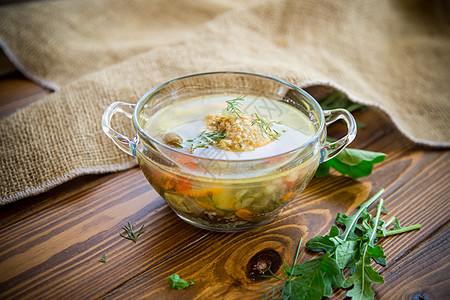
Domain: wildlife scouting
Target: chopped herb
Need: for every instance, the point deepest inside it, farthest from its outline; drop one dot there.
(205, 139)
(103, 259)
(177, 283)
(233, 106)
(354, 250)
(130, 234)
(266, 126)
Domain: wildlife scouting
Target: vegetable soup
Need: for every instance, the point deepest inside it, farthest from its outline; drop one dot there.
(230, 130)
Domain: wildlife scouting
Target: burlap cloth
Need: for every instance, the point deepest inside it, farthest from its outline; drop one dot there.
(390, 54)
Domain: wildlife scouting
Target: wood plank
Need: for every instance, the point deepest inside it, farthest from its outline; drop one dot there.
(73, 234)
(24, 208)
(221, 271)
(50, 244)
(17, 92)
(423, 272)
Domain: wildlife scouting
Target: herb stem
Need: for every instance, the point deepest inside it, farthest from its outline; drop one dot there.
(389, 222)
(366, 204)
(400, 230)
(377, 219)
(298, 252)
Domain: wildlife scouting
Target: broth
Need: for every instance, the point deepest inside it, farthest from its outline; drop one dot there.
(245, 199)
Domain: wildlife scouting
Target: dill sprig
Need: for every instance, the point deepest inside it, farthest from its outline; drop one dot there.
(286, 279)
(266, 126)
(130, 234)
(205, 139)
(233, 106)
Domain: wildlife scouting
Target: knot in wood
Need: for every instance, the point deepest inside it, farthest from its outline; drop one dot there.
(419, 296)
(263, 261)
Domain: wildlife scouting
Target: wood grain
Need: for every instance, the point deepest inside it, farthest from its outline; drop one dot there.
(50, 244)
(17, 92)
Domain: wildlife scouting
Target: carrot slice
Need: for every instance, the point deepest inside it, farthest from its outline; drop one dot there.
(288, 196)
(244, 214)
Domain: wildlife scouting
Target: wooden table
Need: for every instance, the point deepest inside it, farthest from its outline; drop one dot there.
(50, 244)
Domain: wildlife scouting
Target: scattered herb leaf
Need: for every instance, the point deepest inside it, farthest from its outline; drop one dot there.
(103, 259)
(354, 250)
(266, 126)
(177, 283)
(130, 234)
(233, 106)
(205, 139)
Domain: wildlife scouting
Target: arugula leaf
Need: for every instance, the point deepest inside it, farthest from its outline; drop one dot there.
(362, 279)
(323, 170)
(311, 283)
(326, 243)
(355, 163)
(354, 157)
(321, 243)
(353, 250)
(365, 275)
(335, 281)
(177, 283)
(346, 252)
(377, 254)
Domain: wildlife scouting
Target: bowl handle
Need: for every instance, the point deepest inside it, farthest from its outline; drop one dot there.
(126, 144)
(330, 150)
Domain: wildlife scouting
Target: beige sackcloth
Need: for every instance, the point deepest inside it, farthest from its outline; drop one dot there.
(391, 54)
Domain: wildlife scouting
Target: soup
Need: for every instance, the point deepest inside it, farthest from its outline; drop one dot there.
(230, 190)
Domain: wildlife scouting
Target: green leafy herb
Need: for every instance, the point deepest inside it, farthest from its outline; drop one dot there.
(266, 126)
(103, 259)
(177, 283)
(233, 106)
(365, 275)
(205, 139)
(355, 163)
(353, 249)
(130, 234)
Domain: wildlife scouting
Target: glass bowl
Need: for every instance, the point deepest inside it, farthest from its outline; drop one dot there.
(231, 191)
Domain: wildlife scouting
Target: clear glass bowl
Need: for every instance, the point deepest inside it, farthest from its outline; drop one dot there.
(224, 194)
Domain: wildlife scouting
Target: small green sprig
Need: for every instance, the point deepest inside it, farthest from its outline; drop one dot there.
(266, 126)
(130, 234)
(233, 106)
(103, 259)
(177, 283)
(205, 139)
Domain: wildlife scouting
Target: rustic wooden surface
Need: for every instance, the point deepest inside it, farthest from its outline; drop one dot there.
(50, 244)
